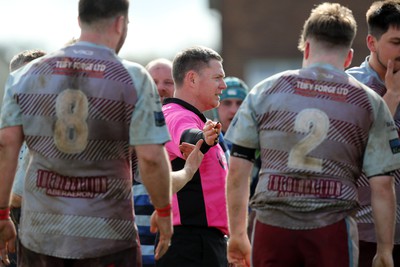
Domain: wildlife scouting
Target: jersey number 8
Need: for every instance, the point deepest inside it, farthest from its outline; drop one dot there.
(71, 129)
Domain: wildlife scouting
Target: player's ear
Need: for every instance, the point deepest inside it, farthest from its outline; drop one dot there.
(371, 43)
(120, 24)
(349, 58)
(307, 50)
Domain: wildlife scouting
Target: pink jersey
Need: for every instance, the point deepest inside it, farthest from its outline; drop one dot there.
(202, 201)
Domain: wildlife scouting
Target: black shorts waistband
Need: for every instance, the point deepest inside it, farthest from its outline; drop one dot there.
(198, 230)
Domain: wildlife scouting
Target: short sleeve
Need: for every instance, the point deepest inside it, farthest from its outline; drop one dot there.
(147, 123)
(243, 130)
(10, 110)
(382, 151)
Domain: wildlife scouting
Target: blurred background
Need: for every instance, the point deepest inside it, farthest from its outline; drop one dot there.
(256, 38)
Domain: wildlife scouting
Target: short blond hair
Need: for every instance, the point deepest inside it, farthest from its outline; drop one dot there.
(331, 24)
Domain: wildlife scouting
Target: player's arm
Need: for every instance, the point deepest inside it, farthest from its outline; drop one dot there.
(155, 169)
(11, 139)
(238, 191)
(383, 200)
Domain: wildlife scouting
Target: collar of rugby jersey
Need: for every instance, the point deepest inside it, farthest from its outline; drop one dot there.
(186, 105)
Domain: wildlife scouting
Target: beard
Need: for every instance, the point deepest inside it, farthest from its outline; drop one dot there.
(396, 62)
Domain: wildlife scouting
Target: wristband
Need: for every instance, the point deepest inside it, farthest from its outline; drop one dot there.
(164, 212)
(5, 214)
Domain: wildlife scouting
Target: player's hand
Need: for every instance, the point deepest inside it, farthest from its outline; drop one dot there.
(392, 79)
(8, 237)
(383, 260)
(239, 251)
(164, 226)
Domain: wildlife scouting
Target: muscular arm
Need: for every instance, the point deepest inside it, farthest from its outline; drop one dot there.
(10, 143)
(155, 170)
(11, 139)
(383, 201)
(238, 190)
(392, 101)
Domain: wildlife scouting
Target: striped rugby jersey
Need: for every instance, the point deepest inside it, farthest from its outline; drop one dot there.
(81, 108)
(365, 74)
(316, 128)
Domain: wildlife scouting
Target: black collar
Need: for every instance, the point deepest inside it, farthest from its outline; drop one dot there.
(186, 105)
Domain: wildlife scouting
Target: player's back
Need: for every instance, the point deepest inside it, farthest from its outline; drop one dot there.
(314, 122)
(76, 106)
(314, 127)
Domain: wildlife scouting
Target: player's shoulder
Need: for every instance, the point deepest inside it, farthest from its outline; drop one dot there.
(132, 65)
(359, 72)
(374, 98)
(268, 82)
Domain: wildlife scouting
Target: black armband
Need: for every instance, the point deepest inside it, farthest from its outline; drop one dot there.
(382, 174)
(191, 136)
(243, 152)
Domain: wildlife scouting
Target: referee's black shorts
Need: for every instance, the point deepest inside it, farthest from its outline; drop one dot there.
(193, 246)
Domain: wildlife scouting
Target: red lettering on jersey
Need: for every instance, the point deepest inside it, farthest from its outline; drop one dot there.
(66, 186)
(287, 185)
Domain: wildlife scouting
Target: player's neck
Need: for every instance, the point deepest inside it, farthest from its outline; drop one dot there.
(377, 66)
(97, 38)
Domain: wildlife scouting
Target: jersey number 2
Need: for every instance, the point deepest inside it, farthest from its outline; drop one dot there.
(315, 124)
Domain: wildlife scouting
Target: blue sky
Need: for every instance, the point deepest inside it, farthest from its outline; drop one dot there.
(158, 28)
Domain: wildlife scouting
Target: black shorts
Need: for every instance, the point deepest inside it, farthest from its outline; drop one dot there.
(195, 247)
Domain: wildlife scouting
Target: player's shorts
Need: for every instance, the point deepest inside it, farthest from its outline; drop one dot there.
(126, 258)
(330, 246)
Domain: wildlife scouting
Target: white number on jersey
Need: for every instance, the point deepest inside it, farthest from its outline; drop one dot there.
(315, 124)
(71, 130)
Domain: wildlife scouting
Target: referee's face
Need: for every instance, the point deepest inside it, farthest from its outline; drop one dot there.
(210, 86)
